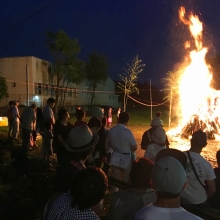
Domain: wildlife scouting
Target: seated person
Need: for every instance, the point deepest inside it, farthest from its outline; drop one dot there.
(158, 139)
(168, 179)
(126, 203)
(83, 201)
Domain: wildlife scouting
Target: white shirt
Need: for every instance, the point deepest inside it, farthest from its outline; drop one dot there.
(152, 212)
(194, 193)
(120, 139)
(152, 151)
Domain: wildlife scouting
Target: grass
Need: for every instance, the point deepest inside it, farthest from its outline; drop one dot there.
(25, 198)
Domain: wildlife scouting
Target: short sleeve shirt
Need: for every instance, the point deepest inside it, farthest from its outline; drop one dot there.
(48, 114)
(120, 139)
(194, 193)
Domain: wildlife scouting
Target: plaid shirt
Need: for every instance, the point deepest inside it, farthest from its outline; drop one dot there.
(61, 209)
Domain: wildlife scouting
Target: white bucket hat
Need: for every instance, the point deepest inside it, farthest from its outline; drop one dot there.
(81, 139)
(157, 122)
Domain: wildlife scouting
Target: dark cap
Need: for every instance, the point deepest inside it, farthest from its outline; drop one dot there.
(177, 154)
(199, 139)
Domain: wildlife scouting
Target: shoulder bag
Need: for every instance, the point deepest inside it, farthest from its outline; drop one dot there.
(194, 170)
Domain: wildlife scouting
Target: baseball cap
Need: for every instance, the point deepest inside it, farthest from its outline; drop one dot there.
(177, 154)
(168, 176)
(199, 138)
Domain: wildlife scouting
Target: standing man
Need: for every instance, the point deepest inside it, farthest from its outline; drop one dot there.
(199, 173)
(16, 120)
(48, 111)
(28, 119)
(121, 140)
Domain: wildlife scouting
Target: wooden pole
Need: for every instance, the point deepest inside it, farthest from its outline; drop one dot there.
(151, 115)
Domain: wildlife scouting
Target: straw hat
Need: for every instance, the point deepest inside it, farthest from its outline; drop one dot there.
(81, 139)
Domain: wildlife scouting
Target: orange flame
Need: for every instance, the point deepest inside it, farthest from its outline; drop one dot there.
(196, 95)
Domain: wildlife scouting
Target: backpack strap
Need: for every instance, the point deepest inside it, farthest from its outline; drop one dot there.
(148, 134)
(194, 170)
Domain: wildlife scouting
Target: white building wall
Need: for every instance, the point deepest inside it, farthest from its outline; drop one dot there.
(41, 85)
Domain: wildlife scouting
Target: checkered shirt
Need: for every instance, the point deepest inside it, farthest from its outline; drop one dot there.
(61, 209)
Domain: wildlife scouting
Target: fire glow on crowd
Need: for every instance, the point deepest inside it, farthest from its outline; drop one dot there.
(197, 100)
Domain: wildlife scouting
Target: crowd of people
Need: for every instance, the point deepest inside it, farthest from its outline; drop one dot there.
(162, 183)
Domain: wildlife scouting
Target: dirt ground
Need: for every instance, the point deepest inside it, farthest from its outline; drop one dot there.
(209, 152)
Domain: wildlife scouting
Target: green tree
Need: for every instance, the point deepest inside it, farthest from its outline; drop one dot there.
(75, 74)
(129, 78)
(96, 71)
(65, 58)
(3, 88)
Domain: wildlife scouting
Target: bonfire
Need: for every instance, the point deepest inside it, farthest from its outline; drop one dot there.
(199, 104)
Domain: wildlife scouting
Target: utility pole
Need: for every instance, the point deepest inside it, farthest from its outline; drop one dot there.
(27, 86)
(151, 115)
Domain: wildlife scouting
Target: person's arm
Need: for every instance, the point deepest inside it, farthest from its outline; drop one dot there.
(211, 187)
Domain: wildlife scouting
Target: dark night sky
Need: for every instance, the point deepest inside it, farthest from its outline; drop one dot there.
(118, 28)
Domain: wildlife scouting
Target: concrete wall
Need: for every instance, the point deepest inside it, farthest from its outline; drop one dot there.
(29, 80)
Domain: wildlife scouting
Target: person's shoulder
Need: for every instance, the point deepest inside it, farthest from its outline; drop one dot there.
(142, 212)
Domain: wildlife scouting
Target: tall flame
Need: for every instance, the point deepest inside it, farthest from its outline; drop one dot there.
(196, 95)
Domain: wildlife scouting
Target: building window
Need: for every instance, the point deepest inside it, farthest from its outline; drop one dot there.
(13, 84)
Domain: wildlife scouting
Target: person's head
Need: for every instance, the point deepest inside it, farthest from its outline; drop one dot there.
(89, 188)
(94, 124)
(80, 142)
(218, 158)
(198, 140)
(80, 114)
(140, 173)
(156, 122)
(158, 114)
(159, 136)
(33, 106)
(123, 118)
(15, 102)
(63, 114)
(97, 112)
(103, 122)
(168, 177)
(177, 154)
(51, 102)
(10, 103)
